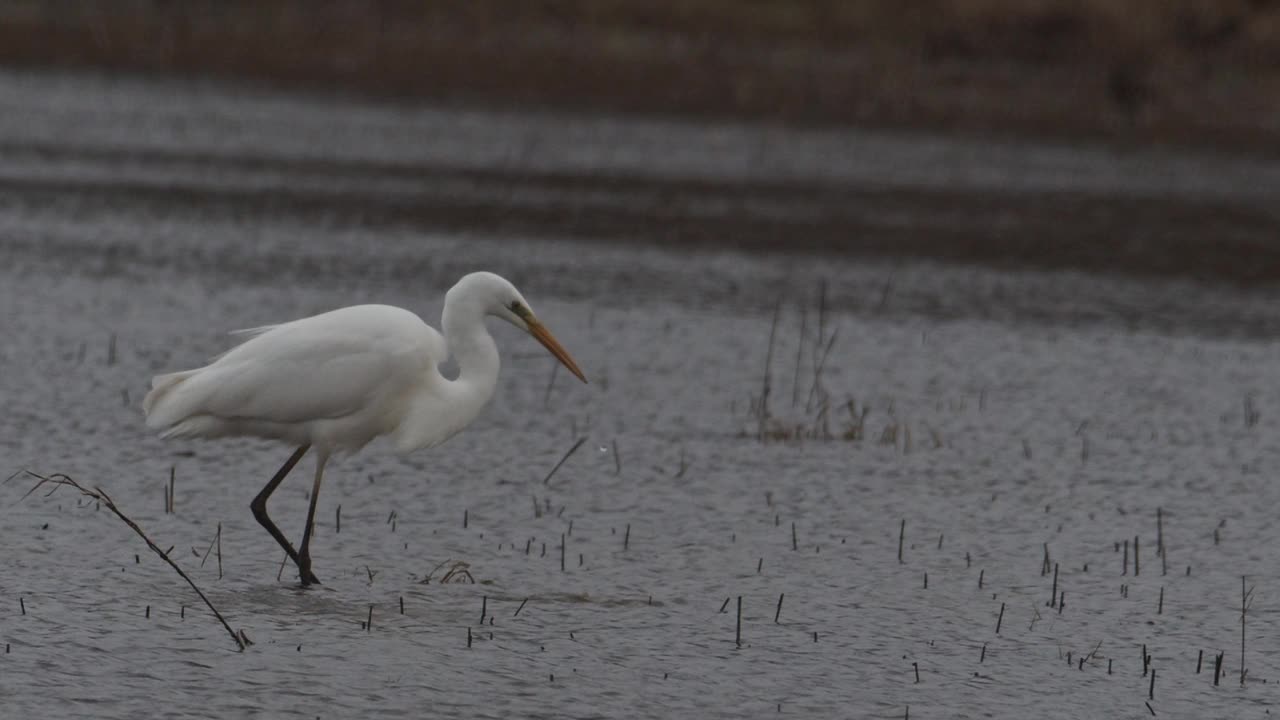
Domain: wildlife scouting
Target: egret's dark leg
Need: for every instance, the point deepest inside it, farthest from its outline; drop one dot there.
(259, 507)
(304, 550)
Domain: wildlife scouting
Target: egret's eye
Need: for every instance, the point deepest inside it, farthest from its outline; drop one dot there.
(520, 310)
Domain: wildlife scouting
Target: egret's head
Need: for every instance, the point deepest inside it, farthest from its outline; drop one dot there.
(501, 298)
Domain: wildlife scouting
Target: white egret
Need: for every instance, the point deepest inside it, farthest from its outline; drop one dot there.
(337, 380)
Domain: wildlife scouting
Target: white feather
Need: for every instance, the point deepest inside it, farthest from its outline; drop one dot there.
(338, 379)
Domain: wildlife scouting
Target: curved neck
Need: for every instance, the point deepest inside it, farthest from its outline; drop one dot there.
(476, 354)
(447, 406)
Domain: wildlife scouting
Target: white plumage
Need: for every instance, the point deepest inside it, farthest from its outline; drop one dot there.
(337, 380)
(334, 381)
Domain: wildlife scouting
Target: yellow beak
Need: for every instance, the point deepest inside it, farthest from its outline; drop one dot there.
(544, 336)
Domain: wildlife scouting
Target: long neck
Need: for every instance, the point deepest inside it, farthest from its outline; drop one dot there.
(451, 405)
(474, 351)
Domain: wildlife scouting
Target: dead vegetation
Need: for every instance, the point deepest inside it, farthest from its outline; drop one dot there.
(813, 413)
(810, 419)
(100, 496)
(458, 571)
(1181, 69)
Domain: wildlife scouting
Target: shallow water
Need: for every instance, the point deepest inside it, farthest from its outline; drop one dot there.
(1030, 408)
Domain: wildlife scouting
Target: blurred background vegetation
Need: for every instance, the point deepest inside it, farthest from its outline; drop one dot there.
(1184, 71)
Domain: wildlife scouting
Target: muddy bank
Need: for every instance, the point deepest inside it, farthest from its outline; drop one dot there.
(1193, 71)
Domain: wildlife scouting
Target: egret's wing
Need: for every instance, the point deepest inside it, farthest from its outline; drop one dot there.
(322, 379)
(327, 366)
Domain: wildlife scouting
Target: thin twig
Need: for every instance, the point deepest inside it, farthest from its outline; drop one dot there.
(822, 320)
(427, 579)
(572, 450)
(1092, 653)
(766, 381)
(1246, 601)
(817, 356)
(546, 396)
(795, 382)
(100, 495)
(822, 363)
(212, 542)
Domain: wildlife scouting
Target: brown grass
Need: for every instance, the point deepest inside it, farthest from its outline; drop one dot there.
(1165, 69)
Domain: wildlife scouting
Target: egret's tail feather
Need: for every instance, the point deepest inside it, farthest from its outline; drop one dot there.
(162, 388)
(196, 426)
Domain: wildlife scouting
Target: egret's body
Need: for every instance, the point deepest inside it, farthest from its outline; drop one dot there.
(337, 380)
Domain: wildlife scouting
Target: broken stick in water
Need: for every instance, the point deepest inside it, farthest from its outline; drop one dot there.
(572, 450)
(101, 496)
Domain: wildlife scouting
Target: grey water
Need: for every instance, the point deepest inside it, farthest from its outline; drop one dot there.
(1008, 414)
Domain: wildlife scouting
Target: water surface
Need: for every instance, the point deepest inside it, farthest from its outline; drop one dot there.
(1007, 411)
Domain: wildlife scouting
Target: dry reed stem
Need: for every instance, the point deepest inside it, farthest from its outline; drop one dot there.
(1246, 601)
(459, 571)
(766, 382)
(572, 450)
(101, 496)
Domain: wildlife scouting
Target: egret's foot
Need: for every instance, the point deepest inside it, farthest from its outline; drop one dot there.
(305, 574)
